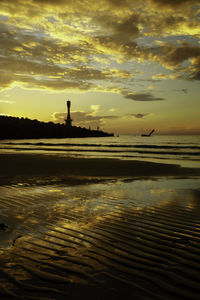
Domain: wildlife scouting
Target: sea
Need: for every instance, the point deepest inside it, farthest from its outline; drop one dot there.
(183, 149)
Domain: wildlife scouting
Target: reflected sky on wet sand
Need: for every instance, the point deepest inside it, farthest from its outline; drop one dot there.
(114, 238)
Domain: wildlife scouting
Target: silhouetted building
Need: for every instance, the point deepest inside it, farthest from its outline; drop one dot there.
(68, 121)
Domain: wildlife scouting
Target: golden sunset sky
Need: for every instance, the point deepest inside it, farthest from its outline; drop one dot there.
(126, 65)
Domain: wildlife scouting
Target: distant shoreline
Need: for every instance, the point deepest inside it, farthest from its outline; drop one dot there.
(24, 128)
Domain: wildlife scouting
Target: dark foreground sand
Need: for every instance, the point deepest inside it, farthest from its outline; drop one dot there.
(115, 239)
(30, 166)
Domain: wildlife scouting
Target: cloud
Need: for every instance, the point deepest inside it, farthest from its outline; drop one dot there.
(194, 70)
(188, 72)
(60, 45)
(120, 31)
(195, 76)
(178, 55)
(172, 56)
(85, 119)
(174, 3)
(31, 56)
(138, 116)
(160, 76)
(142, 97)
(185, 91)
(53, 84)
(112, 109)
(151, 87)
(7, 101)
(95, 109)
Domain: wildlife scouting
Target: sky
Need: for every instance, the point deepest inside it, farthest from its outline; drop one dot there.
(127, 66)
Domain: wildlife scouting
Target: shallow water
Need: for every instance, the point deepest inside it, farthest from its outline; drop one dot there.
(184, 150)
(111, 240)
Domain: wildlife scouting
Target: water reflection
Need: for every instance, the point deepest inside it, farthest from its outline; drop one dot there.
(27, 208)
(107, 238)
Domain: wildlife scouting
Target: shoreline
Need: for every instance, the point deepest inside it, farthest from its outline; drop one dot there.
(24, 167)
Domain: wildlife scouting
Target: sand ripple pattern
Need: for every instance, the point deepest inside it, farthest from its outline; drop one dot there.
(100, 241)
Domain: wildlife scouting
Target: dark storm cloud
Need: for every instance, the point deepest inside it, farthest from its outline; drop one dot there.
(173, 57)
(177, 55)
(51, 2)
(142, 97)
(120, 29)
(118, 3)
(174, 3)
(195, 76)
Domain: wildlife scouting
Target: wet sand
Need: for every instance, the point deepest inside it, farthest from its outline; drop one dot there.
(16, 167)
(115, 230)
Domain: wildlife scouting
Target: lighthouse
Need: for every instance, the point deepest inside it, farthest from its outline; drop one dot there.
(68, 121)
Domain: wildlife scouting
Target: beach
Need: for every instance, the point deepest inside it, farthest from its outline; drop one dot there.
(29, 166)
(98, 228)
(99, 150)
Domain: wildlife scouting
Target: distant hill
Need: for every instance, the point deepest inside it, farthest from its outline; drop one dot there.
(24, 128)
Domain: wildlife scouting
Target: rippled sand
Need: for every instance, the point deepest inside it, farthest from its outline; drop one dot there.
(124, 239)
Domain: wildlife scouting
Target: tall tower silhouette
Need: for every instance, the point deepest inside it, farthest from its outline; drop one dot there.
(68, 121)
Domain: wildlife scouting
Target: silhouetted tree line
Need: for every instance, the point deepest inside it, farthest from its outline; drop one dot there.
(24, 128)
